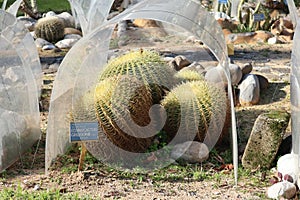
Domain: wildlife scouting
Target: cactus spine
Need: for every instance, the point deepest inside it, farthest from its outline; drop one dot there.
(117, 101)
(50, 29)
(188, 75)
(145, 65)
(201, 104)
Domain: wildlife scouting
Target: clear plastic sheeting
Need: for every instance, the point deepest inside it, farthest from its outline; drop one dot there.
(13, 8)
(4, 4)
(79, 72)
(19, 71)
(90, 14)
(295, 83)
(293, 11)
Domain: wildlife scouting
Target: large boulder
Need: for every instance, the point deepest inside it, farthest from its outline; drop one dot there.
(265, 139)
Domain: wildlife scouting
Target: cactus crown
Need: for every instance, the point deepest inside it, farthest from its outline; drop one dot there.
(146, 66)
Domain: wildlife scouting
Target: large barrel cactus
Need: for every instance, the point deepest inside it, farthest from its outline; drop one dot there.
(50, 28)
(120, 105)
(145, 65)
(194, 107)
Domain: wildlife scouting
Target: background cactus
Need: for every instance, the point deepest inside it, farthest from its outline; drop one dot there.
(145, 65)
(50, 29)
(188, 75)
(195, 102)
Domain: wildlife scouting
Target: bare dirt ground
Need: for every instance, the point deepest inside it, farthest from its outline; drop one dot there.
(212, 179)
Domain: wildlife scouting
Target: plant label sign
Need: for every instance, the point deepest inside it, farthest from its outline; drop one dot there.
(83, 131)
(259, 17)
(223, 1)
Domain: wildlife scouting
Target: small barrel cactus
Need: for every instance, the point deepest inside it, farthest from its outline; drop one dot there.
(188, 75)
(192, 109)
(145, 65)
(50, 28)
(122, 104)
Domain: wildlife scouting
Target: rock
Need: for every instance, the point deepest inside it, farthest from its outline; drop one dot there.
(283, 189)
(263, 82)
(66, 43)
(179, 62)
(249, 90)
(235, 74)
(68, 19)
(28, 22)
(54, 66)
(282, 27)
(145, 23)
(69, 30)
(40, 42)
(287, 165)
(197, 67)
(248, 37)
(227, 24)
(272, 40)
(73, 36)
(48, 47)
(190, 152)
(247, 68)
(49, 14)
(216, 75)
(266, 136)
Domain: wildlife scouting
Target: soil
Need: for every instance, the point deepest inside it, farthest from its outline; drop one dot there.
(272, 61)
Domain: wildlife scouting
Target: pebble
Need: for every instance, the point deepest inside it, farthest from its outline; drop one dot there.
(48, 47)
(40, 42)
(190, 152)
(66, 43)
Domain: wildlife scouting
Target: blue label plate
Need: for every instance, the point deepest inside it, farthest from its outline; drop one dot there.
(83, 131)
(259, 17)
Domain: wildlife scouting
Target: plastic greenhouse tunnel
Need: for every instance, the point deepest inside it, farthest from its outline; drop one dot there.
(20, 83)
(74, 99)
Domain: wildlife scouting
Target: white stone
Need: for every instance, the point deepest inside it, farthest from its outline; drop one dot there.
(249, 90)
(272, 40)
(66, 43)
(40, 42)
(283, 189)
(68, 19)
(287, 164)
(236, 74)
(48, 14)
(73, 36)
(48, 47)
(190, 152)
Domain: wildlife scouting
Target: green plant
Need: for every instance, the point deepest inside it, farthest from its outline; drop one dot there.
(194, 106)
(146, 66)
(50, 29)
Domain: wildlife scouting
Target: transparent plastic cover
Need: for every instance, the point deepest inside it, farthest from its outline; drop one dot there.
(20, 70)
(79, 72)
(13, 8)
(90, 14)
